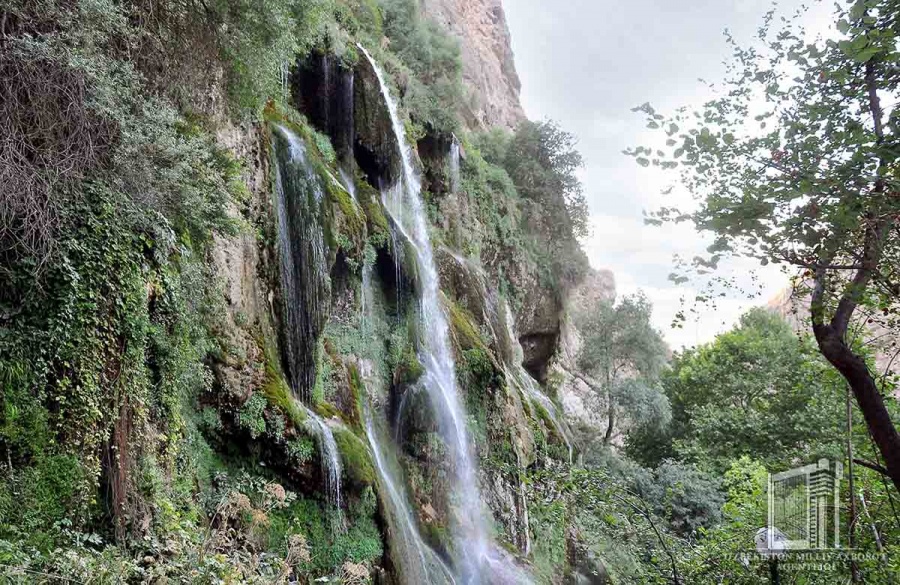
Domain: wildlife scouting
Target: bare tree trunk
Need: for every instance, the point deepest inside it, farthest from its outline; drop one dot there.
(854, 568)
(854, 369)
(611, 422)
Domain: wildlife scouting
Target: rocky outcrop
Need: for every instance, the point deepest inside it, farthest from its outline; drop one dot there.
(793, 306)
(238, 261)
(488, 66)
(573, 393)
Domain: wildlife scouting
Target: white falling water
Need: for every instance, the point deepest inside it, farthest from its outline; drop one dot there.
(292, 284)
(348, 184)
(477, 558)
(454, 165)
(499, 318)
(331, 460)
(529, 385)
(413, 559)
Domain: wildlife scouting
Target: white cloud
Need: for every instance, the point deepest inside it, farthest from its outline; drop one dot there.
(586, 67)
(641, 258)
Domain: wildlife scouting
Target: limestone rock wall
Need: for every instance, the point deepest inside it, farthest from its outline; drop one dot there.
(489, 69)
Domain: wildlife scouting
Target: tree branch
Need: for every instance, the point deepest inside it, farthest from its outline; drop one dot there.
(873, 466)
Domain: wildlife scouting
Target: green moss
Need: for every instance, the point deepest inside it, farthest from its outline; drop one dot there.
(328, 410)
(358, 392)
(438, 535)
(349, 226)
(378, 226)
(276, 389)
(462, 325)
(355, 457)
(544, 417)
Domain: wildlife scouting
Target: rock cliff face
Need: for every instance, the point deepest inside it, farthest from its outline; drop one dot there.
(576, 398)
(488, 66)
(794, 308)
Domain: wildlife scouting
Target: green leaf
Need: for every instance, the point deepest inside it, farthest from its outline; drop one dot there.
(643, 161)
(866, 54)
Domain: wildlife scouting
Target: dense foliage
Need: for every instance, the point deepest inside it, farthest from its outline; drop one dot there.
(796, 162)
(541, 162)
(620, 359)
(757, 390)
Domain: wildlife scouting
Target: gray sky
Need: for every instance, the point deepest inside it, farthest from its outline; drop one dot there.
(585, 64)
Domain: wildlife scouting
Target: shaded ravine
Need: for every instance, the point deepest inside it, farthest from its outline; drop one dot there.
(305, 285)
(478, 560)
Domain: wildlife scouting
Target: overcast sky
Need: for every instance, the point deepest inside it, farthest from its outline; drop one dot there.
(585, 64)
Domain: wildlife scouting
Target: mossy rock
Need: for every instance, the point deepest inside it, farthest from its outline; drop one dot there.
(347, 221)
(355, 458)
(409, 369)
(462, 326)
(379, 230)
(376, 147)
(275, 387)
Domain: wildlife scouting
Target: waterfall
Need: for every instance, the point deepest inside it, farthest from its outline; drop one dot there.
(523, 380)
(348, 184)
(331, 460)
(304, 270)
(499, 318)
(414, 559)
(477, 558)
(454, 165)
(305, 285)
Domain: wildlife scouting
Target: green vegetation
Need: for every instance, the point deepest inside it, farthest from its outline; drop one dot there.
(355, 457)
(757, 399)
(807, 182)
(621, 357)
(148, 433)
(541, 161)
(757, 390)
(434, 92)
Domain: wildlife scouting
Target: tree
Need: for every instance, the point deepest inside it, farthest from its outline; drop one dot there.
(621, 358)
(541, 160)
(797, 163)
(755, 391)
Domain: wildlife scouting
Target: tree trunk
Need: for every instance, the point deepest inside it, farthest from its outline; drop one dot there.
(854, 369)
(611, 423)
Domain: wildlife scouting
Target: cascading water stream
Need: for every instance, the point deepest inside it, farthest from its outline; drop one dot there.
(348, 184)
(413, 559)
(499, 318)
(477, 559)
(527, 383)
(304, 283)
(454, 165)
(331, 460)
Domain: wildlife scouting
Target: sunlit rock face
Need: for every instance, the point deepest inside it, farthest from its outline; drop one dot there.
(488, 65)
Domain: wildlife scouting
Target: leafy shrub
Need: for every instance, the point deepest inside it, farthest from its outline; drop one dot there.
(250, 416)
(434, 91)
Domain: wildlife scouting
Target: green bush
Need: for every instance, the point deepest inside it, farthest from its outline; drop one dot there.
(434, 92)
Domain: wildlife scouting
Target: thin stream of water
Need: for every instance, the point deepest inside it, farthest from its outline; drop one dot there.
(478, 559)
